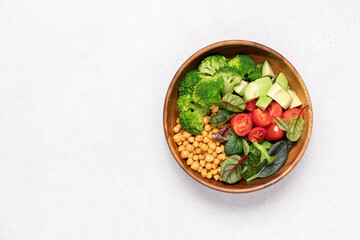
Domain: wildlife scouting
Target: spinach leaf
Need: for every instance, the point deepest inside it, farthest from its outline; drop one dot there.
(221, 117)
(250, 167)
(231, 169)
(290, 144)
(222, 135)
(282, 123)
(234, 145)
(278, 149)
(246, 147)
(295, 128)
(233, 103)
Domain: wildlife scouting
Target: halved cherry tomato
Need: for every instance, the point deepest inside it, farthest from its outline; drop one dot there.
(273, 132)
(257, 134)
(289, 114)
(262, 118)
(241, 124)
(275, 110)
(250, 106)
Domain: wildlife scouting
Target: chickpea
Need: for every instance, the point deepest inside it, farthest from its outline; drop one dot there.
(177, 128)
(178, 120)
(177, 137)
(184, 154)
(209, 158)
(206, 140)
(214, 154)
(222, 147)
(210, 136)
(185, 143)
(219, 170)
(208, 166)
(221, 157)
(191, 139)
(195, 165)
(196, 144)
(190, 148)
(216, 161)
(201, 157)
(216, 177)
(198, 138)
(207, 128)
(200, 169)
(196, 157)
(217, 143)
(197, 150)
(218, 150)
(189, 161)
(213, 171)
(214, 166)
(209, 175)
(186, 134)
(215, 130)
(212, 145)
(215, 109)
(203, 147)
(206, 120)
(204, 134)
(182, 138)
(210, 151)
(202, 163)
(181, 148)
(204, 172)
(191, 155)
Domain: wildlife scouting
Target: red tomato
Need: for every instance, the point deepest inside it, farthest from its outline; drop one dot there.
(241, 124)
(250, 106)
(289, 114)
(257, 134)
(262, 118)
(275, 110)
(273, 132)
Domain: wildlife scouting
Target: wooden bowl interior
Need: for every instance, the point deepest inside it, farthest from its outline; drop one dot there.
(259, 53)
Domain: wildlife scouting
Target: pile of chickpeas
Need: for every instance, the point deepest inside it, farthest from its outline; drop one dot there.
(201, 153)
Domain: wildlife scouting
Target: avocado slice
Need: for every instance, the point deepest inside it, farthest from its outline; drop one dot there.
(251, 92)
(295, 99)
(264, 85)
(267, 70)
(280, 95)
(263, 102)
(240, 87)
(281, 79)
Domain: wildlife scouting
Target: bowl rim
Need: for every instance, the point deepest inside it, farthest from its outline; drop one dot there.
(310, 113)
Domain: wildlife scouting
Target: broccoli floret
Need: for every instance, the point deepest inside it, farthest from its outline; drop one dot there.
(230, 76)
(243, 63)
(188, 83)
(204, 76)
(191, 115)
(207, 91)
(256, 74)
(212, 63)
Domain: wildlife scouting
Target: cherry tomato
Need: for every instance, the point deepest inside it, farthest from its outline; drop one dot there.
(275, 110)
(241, 124)
(289, 114)
(250, 106)
(257, 134)
(273, 132)
(262, 118)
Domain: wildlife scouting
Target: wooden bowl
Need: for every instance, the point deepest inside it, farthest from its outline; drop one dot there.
(259, 53)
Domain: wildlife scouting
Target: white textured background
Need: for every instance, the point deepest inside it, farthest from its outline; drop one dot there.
(82, 150)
